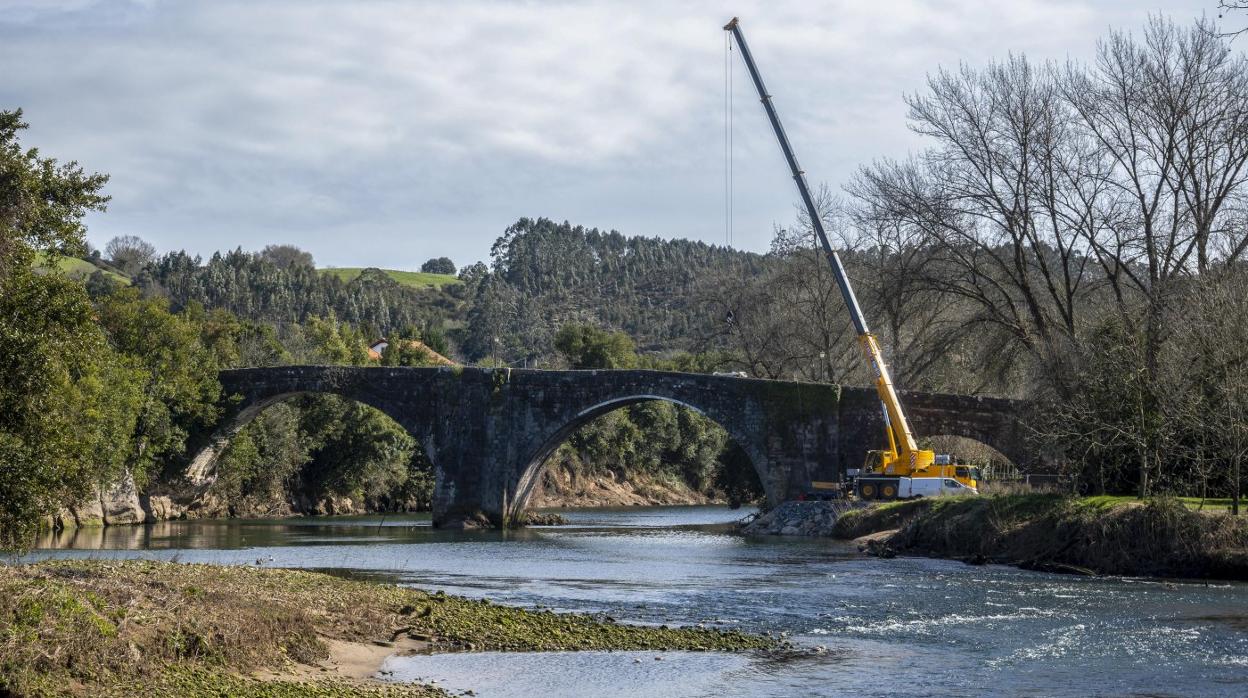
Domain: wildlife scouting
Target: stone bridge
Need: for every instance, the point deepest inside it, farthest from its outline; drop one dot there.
(488, 431)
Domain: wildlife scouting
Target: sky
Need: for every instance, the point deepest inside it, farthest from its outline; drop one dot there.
(385, 133)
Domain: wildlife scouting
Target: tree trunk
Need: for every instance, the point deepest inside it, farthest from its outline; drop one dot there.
(1235, 487)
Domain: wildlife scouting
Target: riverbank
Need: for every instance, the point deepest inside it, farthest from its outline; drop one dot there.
(564, 487)
(801, 518)
(1061, 533)
(147, 628)
(561, 486)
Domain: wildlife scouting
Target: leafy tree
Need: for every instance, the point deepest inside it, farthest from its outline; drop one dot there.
(179, 375)
(435, 339)
(42, 203)
(101, 284)
(587, 346)
(256, 469)
(288, 256)
(472, 274)
(406, 352)
(356, 450)
(57, 383)
(438, 265)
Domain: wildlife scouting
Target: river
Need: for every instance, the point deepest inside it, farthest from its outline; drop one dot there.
(906, 626)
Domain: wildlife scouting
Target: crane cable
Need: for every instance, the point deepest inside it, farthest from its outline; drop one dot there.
(728, 108)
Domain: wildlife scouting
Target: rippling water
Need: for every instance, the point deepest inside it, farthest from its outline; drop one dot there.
(907, 626)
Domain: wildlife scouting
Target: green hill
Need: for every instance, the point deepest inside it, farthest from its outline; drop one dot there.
(81, 269)
(415, 279)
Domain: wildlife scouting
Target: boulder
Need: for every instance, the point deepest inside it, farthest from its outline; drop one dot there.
(120, 503)
(813, 518)
(89, 512)
(207, 506)
(161, 508)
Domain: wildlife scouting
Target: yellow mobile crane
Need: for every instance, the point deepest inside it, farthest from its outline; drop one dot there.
(903, 469)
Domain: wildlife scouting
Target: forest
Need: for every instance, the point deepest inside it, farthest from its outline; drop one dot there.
(1072, 234)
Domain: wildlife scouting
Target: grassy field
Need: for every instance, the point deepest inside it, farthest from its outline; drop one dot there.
(1213, 504)
(81, 269)
(418, 279)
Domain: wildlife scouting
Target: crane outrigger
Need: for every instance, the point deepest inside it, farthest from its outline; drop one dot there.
(902, 469)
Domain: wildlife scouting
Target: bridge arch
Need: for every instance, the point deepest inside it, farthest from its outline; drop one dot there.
(535, 463)
(995, 422)
(320, 480)
(966, 448)
(245, 398)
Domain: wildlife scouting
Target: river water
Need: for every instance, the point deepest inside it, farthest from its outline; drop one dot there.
(906, 626)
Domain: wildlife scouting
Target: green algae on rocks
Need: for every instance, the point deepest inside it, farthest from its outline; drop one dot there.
(202, 683)
(100, 627)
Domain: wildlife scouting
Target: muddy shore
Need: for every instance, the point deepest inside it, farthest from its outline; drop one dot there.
(149, 628)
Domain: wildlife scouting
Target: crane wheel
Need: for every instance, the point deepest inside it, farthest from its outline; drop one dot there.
(868, 491)
(888, 491)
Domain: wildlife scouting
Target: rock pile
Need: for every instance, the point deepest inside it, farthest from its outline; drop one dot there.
(800, 519)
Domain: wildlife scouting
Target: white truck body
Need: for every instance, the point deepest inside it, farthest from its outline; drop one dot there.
(930, 487)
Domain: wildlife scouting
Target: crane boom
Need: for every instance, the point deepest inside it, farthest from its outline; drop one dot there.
(903, 448)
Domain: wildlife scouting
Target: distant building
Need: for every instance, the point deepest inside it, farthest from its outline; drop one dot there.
(376, 348)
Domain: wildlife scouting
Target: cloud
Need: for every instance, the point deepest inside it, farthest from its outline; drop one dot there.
(386, 132)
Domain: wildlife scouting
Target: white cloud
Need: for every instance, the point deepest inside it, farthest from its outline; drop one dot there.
(386, 132)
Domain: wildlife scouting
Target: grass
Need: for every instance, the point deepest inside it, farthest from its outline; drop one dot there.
(140, 627)
(1161, 537)
(81, 269)
(416, 279)
(1212, 504)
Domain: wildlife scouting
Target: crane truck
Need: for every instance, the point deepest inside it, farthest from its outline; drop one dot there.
(902, 469)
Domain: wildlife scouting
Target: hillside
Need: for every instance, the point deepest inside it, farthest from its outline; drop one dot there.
(544, 275)
(415, 279)
(81, 269)
(255, 288)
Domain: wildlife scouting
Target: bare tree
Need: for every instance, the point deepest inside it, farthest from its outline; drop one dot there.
(129, 253)
(1000, 199)
(1225, 6)
(790, 321)
(1053, 198)
(1170, 118)
(817, 326)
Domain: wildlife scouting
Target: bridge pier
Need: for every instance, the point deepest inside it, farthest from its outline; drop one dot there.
(488, 432)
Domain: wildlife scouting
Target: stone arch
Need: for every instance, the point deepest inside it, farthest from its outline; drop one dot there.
(965, 448)
(998, 428)
(534, 463)
(995, 422)
(246, 393)
(201, 470)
